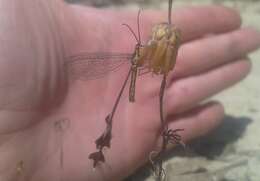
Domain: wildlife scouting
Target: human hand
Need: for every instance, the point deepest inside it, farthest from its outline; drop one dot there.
(205, 66)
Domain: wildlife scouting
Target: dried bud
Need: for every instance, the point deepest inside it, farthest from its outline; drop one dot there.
(164, 45)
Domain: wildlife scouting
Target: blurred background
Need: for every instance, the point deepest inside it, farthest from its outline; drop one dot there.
(232, 152)
(151, 2)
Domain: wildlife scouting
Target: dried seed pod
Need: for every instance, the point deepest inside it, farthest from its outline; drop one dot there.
(163, 47)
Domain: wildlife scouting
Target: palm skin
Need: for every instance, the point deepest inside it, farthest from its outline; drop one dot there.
(41, 93)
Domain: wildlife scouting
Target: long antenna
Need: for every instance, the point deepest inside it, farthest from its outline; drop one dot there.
(132, 31)
(138, 25)
(170, 12)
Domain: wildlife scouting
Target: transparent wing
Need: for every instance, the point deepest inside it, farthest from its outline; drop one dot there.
(89, 66)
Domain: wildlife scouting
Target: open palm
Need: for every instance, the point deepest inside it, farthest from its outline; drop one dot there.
(49, 121)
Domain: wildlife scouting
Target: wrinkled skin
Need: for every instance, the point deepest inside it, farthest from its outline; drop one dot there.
(35, 93)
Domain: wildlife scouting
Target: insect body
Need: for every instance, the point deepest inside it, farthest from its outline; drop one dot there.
(138, 61)
(158, 55)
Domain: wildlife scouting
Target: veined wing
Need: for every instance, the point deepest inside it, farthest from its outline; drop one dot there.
(89, 66)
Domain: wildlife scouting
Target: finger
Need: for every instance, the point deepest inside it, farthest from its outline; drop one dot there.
(205, 54)
(195, 22)
(199, 121)
(184, 94)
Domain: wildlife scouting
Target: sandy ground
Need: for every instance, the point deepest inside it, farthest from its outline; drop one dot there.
(232, 152)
